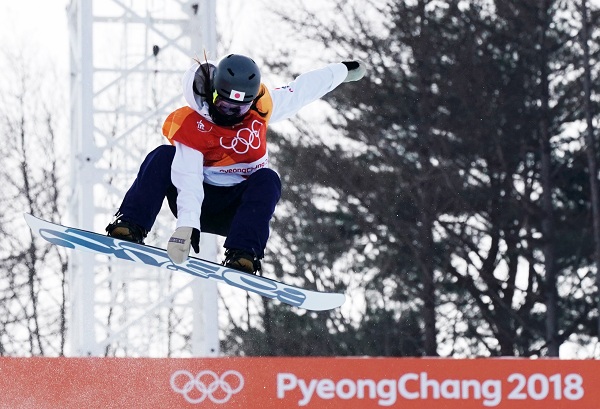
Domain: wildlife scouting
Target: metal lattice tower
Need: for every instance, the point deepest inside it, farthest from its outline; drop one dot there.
(127, 59)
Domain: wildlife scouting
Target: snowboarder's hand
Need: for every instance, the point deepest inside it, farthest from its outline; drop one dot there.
(180, 242)
(356, 70)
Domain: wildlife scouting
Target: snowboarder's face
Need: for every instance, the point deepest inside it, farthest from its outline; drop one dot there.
(231, 108)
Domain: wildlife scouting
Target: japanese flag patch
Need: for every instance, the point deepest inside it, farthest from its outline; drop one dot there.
(237, 95)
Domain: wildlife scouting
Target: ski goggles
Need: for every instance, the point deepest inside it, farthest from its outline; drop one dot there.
(231, 108)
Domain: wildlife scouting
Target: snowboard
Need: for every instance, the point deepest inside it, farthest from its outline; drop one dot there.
(156, 257)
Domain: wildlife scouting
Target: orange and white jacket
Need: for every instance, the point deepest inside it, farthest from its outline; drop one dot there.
(225, 156)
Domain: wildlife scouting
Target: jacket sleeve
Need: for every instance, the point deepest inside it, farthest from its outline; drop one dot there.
(187, 176)
(305, 89)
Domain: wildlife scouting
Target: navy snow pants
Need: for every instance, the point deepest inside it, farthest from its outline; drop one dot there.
(241, 213)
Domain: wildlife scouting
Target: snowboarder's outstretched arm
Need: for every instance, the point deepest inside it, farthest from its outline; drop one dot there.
(310, 86)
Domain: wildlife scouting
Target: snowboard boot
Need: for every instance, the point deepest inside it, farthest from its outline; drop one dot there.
(242, 260)
(125, 230)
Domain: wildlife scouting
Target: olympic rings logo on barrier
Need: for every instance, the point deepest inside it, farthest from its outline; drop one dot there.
(207, 384)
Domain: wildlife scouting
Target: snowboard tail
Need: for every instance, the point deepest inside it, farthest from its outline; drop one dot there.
(84, 240)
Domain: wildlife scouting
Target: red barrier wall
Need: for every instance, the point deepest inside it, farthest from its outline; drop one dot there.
(298, 382)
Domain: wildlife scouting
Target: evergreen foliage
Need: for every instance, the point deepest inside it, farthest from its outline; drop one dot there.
(437, 208)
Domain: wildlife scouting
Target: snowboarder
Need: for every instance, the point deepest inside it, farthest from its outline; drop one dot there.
(215, 172)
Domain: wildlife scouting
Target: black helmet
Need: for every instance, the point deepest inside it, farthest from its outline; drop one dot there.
(237, 78)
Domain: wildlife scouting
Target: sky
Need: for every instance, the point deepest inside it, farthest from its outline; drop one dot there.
(37, 25)
(42, 26)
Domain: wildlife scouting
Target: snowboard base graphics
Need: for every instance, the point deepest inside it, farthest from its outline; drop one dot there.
(156, 257)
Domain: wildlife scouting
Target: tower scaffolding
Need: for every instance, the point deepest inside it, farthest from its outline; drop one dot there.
(127, 59)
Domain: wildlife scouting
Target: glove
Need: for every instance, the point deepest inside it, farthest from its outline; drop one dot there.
(179, 244)
(356, 70)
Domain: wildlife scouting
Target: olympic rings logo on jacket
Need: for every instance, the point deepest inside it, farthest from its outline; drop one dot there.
(252, 139)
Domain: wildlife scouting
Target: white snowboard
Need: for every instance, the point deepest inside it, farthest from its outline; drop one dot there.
(152, 256)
